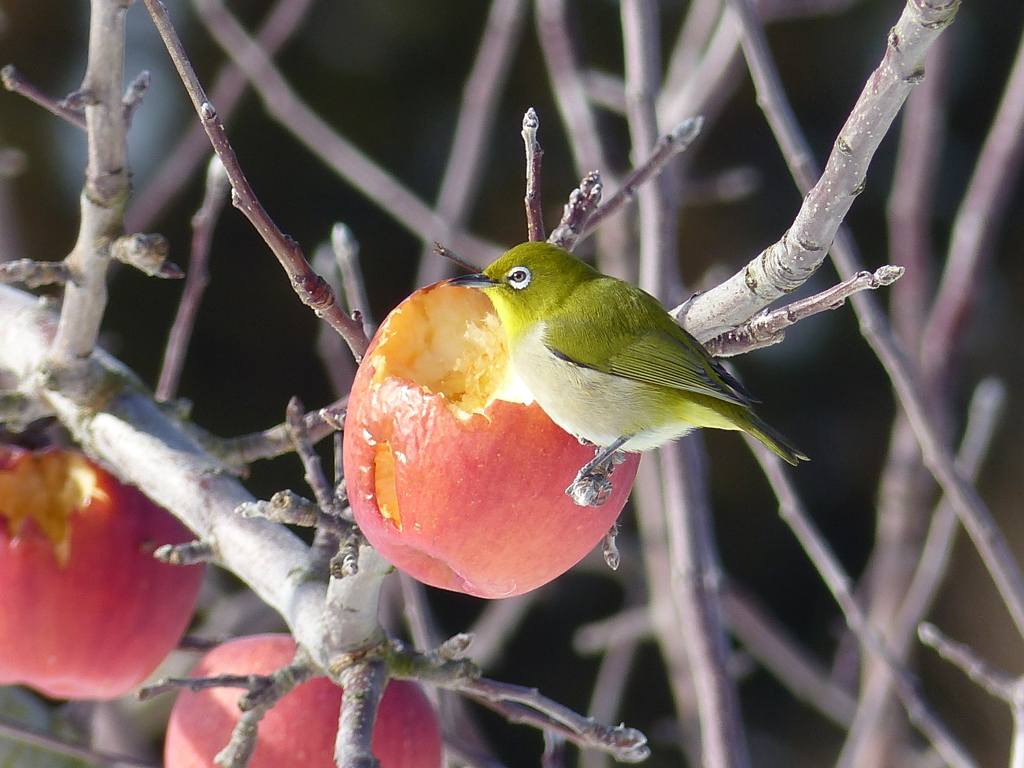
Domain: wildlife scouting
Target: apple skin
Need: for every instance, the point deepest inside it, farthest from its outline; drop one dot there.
(481, 498)
(99, 623)
(300, 729)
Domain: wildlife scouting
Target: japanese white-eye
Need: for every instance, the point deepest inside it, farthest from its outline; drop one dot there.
(605, 360)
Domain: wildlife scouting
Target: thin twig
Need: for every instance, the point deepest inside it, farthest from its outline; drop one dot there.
(534, 153)
(982, 422)
(346, 256)
(314, 476)
(839, 584)
(667, 147)
(15, 82)
(474, 127)
(998, 684)
(648, 494)
(905, 490)
(203, 223)
(236, 453)
(642, 54)
(605, 90)
(913, 189)
(284, 105)
(526, 705)
(564, 73)
(974, 229)
(696, 583)
(583, 201)
(133, 96)
(193, 147)
(310, 287)
(257, 702)
(769, 643)
(497, 624)
(793, 665)
(147, 253)
(34, 273)
(769, 326)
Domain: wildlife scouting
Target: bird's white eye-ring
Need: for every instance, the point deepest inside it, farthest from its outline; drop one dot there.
(519, 277)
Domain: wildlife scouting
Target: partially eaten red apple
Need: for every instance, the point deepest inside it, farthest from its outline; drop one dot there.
(86, 611)
(300, 729)
(454, 474)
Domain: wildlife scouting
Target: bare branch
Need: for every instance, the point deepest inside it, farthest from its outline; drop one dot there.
(695, 587)
(648, 493)
(203, 223)
(839, 584)
(982, 422)
(15, 82)
(567, 81)
(284, 105)
(792, 664)
(105, 193)
(133, 96)
(974, 229)
(194, 147)
(1000, 685)
(787, 264)
(189, 553)
(997, 683)
(641, 49)
(475, 126)
(525, 705)
(363, 685)
(51, 745)
(310, 287)
(917, 164)
(769, 326)
(148, 254)
(346, 255)
(255, 703)
(534, 211)
(295, 421)
(236, 453)
(583, 201)
(34, 273)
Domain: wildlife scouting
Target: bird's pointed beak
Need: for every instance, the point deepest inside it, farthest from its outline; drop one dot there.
(478, 280)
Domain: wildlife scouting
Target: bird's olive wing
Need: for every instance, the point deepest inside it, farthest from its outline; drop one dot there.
(679, 362)
(635, 338)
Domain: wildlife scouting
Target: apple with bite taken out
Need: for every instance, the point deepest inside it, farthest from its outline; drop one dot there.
(454, 474)
(86, 611)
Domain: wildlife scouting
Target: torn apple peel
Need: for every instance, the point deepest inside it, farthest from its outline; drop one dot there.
(385, 485)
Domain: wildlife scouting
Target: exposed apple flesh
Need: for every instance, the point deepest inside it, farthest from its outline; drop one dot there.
(86, 611)
(453, 473)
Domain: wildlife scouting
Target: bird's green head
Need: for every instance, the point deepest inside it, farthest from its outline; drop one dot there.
(529, 283)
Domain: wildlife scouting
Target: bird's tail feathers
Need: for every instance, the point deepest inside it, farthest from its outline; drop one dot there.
(774, 441)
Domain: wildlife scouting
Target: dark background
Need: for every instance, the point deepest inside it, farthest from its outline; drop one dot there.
(388, 75)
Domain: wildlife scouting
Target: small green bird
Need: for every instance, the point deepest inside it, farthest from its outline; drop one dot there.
(605, 360)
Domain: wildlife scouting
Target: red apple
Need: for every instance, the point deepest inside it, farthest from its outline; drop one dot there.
(454, 474)
(300, 729)
(86, 611)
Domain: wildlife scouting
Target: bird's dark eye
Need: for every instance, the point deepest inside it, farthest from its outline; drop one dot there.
(519, 277)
